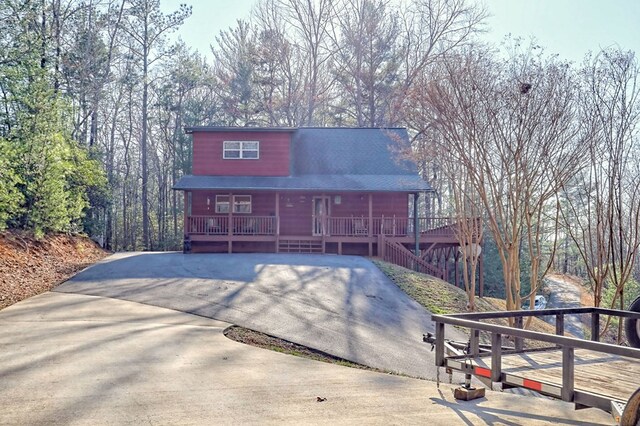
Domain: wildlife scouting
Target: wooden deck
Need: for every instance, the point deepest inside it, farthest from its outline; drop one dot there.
(595, 372)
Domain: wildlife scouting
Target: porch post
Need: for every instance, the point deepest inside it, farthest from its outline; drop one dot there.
(230, 217)
(230, 224)
(277, 219)
(185, 226)
(455, 257)
(481, 273)
(277, 214)
(416, 222)
(370, 216)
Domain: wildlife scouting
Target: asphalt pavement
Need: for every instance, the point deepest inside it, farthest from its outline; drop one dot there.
(342, 305)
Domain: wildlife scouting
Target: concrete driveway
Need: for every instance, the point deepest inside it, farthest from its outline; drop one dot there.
(342, 305)
(84, 360)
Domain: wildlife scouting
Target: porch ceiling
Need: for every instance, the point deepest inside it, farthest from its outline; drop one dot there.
(356, 183)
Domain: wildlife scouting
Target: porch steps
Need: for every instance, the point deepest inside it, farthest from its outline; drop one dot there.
(300, 246)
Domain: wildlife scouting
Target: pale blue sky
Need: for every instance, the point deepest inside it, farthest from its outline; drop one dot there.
(569, 28)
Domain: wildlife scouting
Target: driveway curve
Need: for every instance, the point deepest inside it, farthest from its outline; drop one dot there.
(565, 294)
(342, 305)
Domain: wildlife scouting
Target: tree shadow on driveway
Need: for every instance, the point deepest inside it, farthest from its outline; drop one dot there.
(342, 305)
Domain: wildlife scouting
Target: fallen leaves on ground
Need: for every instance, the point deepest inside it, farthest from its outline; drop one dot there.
(30, 266)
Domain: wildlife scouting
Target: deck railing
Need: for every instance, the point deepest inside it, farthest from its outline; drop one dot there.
(435, 224)
(207, 225)
(447, 225)
(353, 226)
(393, 226)
(241, 225)
(390, 226)
(348, 226)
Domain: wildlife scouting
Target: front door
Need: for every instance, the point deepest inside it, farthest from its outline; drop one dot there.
(321, 206)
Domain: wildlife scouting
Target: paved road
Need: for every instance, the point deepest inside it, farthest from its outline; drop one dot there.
(342, 305)
(84, 360)
(565, 294)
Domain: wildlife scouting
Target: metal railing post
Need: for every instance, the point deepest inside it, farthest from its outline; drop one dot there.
(496, 357)
(595, 327)
(567, 373)
(474, 344)
(439, 344)
(519, 341)
(560, 324)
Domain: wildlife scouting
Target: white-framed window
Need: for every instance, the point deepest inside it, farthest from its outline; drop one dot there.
(241, 204)
(241, 150)
(222, 204)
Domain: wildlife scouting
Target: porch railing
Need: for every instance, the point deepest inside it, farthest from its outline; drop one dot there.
(360, 226)
(353, 226)
(392, 226)
(240, 225)
(388, 226)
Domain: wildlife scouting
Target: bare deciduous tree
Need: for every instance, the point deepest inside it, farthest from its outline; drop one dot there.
(312, 21)
(367, 59)
(510, 124)
(430, 30)
(602, 211)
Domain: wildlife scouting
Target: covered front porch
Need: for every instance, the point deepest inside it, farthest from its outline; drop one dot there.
(331, 220)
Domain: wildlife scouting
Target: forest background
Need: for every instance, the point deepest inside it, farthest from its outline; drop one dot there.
(94, 95)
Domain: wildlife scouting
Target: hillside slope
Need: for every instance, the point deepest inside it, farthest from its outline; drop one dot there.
(29, 266)
(440, 297)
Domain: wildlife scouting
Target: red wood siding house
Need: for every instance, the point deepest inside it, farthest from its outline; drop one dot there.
(317, 190)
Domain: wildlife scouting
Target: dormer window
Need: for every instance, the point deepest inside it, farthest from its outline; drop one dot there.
(237, 150)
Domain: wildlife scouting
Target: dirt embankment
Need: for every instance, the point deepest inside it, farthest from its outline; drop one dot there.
(29, 266)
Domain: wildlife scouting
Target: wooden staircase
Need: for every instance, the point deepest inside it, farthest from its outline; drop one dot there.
(396, 253)
(300, 246)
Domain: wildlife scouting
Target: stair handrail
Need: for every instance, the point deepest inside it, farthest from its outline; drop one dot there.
(398, 254)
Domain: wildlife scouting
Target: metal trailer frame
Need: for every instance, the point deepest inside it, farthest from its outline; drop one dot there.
(460, 354)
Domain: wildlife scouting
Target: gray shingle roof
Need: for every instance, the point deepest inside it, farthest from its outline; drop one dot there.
(329, 159)
(361, 151)
(373, 183)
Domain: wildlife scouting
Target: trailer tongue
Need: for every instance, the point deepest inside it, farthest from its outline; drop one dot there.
(587, 373)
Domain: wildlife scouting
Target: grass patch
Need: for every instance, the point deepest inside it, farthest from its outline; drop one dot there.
(265, 341)
(441, 298)
(437, 296)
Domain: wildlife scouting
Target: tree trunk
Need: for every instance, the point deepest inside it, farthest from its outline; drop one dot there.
(143, 144)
